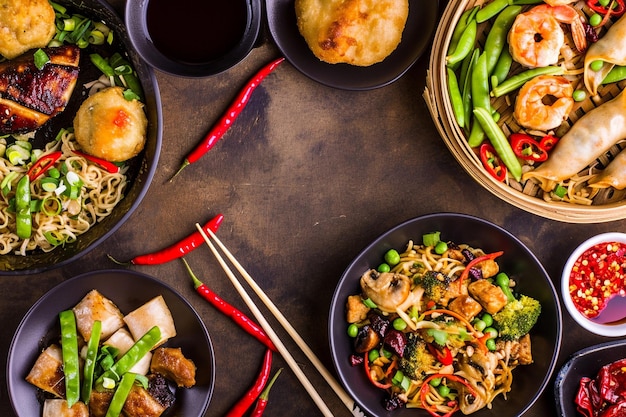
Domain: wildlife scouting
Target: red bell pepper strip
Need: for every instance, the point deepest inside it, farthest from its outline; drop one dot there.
(615, 7)
(228, 310)
(443, 355)
(527, 148)
(178, 249)
(366, 365)
(228, 118)
(492, 163)
(548, 142)
(426, 386)
(475, 261)
(255, 390)
(106, 165)
(261, 402)
(43, 164)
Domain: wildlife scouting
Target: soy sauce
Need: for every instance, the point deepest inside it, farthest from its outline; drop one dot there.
(196, 31)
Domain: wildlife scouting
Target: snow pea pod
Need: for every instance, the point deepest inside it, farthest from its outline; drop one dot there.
(465, 44)
(480, 97)
(69, 348)
(516, 81)
(90, 361)
(120, 395)
(455, 98)
(496, 38)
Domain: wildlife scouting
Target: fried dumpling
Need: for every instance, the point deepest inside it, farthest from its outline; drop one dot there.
(47, 372)
(153, 313)
(591, 136)
(614, 175)
(59, 408)
(611, 50)
(94, 306)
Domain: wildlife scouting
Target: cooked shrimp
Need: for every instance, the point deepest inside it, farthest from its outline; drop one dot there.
(536, 37)
(544, 102)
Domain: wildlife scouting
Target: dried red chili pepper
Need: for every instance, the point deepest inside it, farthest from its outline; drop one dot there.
(255, 390)
(229, 117)
(228, 310)
(492, 163)
(43, 164)
(548, 142)
(527, 148)
(178, 249)
(443, 355)
(107, 165)
(261, 402)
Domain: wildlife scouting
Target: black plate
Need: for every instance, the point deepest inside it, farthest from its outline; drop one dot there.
(528, 381)
(416, 38)
(128, 290)
(142, 167)
(586, 362)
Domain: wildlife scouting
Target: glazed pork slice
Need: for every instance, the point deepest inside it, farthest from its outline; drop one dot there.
(173, 365)
(122, 340)
(94, 306)
(153, 313)
(47, 372)
(58, 408)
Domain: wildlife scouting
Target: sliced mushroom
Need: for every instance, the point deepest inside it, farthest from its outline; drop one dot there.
(387, 290)
(366, 340)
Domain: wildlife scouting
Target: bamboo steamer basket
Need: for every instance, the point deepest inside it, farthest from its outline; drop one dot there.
(438, 101)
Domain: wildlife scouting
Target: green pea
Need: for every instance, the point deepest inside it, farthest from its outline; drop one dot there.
(491, 344)
(480, 325)
(387, 354)
(392, 257)
(596, 65)
(579, 95)
(487, 319)
(491, 332)
(443, 390)
(441, 247)
(604, 3)
(353, 330)
(399, 324)
(373, 355)
(435, 382)
(383, 268)
(595, 19)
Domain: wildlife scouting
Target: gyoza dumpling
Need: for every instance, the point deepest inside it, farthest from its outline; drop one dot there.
(614, 175)
(153, 313)
(611, 50)
(47, 372)
(59, 408)
(94, 306)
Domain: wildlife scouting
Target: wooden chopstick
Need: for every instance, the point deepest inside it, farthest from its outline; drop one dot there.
(330, 380)
(268, 329)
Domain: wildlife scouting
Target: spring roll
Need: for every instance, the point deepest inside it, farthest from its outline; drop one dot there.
(614, 175)
(591, 136)
(611, 50)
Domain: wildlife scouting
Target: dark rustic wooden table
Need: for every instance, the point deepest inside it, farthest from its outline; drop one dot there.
(306, 178)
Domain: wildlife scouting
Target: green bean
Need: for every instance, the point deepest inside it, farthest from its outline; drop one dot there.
(516, 81)
(466, 17)
(465, 44)
(23, 219)
(617, 73)
(496, 38)
(455, 98)
(90, 361)
(490, 10)
(480, 97)
(120, 395)
(69, 348)
(499, 141)
(502, 68)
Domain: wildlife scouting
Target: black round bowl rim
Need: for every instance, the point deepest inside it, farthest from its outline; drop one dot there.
(139, 275)
(138, 33)
(376, 242)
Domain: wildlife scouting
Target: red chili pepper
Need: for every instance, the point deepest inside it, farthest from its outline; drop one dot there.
(548, 142)
(228, 118)
(227, 309)
(443, 355)
(255, 390)
(527, 148)
(492, 163)
(261, 402)
(43, 164)
(107, 165)
(615, 7)
(178, 249)
(426, 386)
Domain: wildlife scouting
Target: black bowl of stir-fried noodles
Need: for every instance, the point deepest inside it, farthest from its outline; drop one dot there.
(140, 168)
(516, 260)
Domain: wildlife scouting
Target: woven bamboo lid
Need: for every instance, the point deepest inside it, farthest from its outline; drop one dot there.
(613, 206)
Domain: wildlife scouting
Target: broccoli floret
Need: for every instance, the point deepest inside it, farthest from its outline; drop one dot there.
(435, 285)
(416, 358)
(517, 317)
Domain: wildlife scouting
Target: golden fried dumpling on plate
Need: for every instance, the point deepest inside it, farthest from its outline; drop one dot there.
(355, 32)
(58, 408)
(94, 306)
(24, 25)
(153, 313)
(47, 372)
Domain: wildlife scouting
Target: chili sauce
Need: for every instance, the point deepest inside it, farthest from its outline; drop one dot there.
(597, 276)
(196, 31)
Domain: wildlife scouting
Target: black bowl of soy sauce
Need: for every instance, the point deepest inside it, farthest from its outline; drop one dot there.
(193, 38)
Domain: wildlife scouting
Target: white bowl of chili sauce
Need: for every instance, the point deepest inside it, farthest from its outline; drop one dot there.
(594, 284)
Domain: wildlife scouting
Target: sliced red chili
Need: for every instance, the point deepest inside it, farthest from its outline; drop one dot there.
(107, 165)
(443, 355)
(426, 387)
(527, 148)
(366, 365)
(491, 161)
(43, 164)
(548, 142)
(615, 7)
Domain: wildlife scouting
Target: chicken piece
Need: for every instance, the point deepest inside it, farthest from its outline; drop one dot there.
(94, 306)
(122, 340)
(356, 311)
(488, 268)
(521, 351)
(47, 372)
(58, 408)
(153, 313)
(173, 365)
(99, 402)
(387, 290)
(24, 25)
(140, 403)
(110, 127)
(466, 306)
(490, 296)
(455, 289)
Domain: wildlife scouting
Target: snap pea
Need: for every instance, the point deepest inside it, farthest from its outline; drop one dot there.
(502, 68)
(455, 98)
(120, 395)
(467, 88)
(490, 10)
(516, 81)
(465, 18)
(480, 97)
(465, 44)
(497, 36)
(23, 219)
(69, 348)
(90, 361)
(617, 73)
(499, 141)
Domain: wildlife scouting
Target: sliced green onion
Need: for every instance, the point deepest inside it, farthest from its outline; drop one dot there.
(102, 65)
(560, 191)
(431, 239)
(54, 237)
(96, 37)
(17, 155)
(369, 303)
(40, 58)
(49, 184)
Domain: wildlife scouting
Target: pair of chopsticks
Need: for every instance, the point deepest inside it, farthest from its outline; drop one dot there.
(345, 398)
